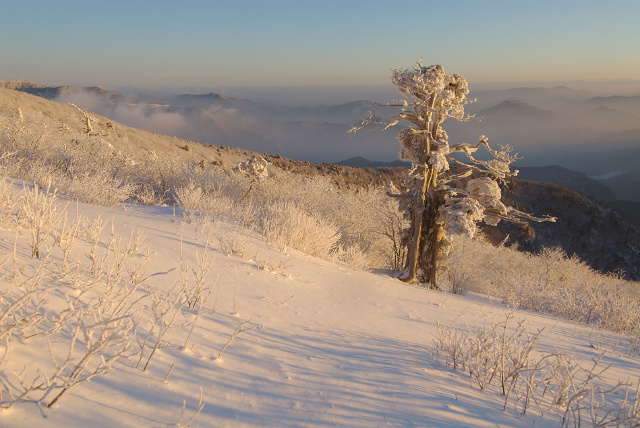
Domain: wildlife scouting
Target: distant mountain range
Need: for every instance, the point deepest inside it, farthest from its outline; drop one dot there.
(516, 109)
(575, 129)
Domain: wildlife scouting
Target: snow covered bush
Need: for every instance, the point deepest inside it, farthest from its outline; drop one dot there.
(286, 225)
(549, 282)
(554, 283)
(39, 216)
(82, 165)
(85, 302)
(500, 352)
(191, 198)
(63, 307)
(504, 357)
(10, 203)
(356, 217)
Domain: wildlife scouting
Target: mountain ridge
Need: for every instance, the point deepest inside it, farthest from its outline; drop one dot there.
(518, 108)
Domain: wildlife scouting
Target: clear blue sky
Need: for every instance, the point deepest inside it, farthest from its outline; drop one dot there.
(331, 42)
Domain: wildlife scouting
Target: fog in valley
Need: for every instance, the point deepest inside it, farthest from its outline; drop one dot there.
(593, 129)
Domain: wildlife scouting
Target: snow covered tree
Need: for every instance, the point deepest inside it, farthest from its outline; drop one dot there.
(445, 195)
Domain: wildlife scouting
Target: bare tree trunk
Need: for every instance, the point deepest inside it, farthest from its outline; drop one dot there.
(425, 185)
(426, 234)
(417, 215)
(431, 240)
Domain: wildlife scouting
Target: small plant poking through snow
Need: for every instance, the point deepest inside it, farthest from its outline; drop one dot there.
(505, 355)
(79, 314)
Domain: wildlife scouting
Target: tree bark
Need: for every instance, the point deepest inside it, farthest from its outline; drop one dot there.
(431, 240)
(422, 183)
(417, 215)
(423, 219)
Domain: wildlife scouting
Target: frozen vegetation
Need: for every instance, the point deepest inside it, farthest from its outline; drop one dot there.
(144, 289)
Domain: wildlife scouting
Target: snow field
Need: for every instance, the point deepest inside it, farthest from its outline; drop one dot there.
(325, 345)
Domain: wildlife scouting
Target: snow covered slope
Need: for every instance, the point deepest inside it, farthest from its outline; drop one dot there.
(322, 346)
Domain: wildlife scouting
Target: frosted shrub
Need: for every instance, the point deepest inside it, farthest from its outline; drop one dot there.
(191, 199)
(156, 175)
(214, 182)
(11, 165)
(100, 188)
(71, 314)
(85, 167)
(592, 403)
(72, 321)
(96, 174)
(10, 202)
(499, 353)
(49, 154)
(504, 356)
(194, 199)
(618, 307)
(463, 269)
(40, 217)
(549, 282)
(287, 225)
(568, 288)
(352, 257)
(43, 174)
(369, 220)
(357, 216)
(460, 278)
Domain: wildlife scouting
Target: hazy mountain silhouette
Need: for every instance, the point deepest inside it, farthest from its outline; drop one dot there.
(558, 97)
(574, 180)
(518, 110)
(613, 117)
(206, 101)
(624, 103)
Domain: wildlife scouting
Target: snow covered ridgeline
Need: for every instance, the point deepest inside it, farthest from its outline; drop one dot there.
(264, 337)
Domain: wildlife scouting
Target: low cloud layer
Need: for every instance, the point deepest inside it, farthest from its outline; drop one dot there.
(544, 125)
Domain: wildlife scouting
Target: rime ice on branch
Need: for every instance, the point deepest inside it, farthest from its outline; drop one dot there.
(436, 202)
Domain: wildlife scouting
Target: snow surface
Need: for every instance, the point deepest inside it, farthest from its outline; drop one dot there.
(332, 347)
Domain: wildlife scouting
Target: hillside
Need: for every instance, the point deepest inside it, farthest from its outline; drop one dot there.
(594, 233)
(323, 345)
(573, 180)
(134, 142)
(305, 133)
(516, 110)
(620, 244)
(158, 282)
